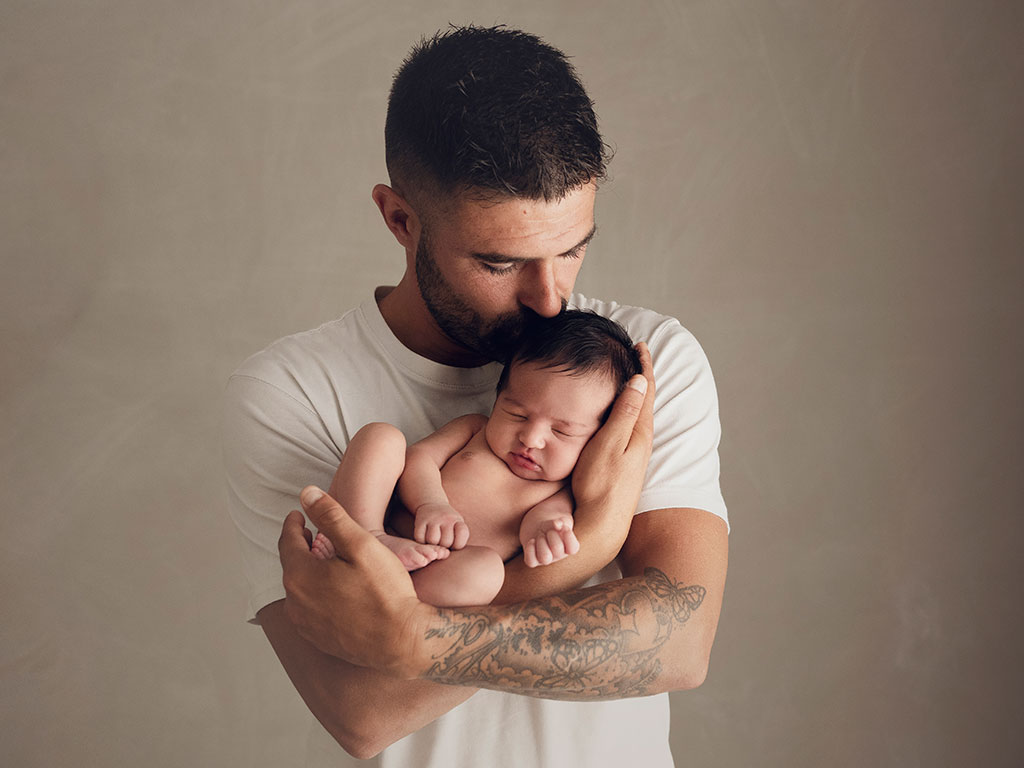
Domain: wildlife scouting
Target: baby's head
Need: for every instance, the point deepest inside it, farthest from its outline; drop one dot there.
(556, 390)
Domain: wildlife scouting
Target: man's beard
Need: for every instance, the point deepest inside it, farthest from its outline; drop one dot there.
(494, 339)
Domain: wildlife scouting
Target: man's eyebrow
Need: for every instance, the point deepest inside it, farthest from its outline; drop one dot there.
(501, 258)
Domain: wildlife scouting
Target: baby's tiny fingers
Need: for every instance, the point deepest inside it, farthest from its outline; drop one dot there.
(530, 554)
(543, 551)
(572, 544)
(554, 540)
(433, 533)
(461, 535)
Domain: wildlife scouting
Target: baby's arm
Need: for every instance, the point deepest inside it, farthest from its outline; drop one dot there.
(420, 490)
(546, 531)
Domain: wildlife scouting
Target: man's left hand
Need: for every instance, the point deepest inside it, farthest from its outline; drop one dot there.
(610, 472)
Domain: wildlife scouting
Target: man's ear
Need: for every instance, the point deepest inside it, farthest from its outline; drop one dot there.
(399, 216)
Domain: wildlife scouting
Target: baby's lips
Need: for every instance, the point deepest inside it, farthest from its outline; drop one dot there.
(525, 461)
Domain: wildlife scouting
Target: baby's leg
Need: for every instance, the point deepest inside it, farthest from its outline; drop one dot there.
(412, 554)
(469, 576)
(363, 485)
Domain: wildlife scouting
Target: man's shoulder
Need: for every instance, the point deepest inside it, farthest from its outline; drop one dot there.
(642, 324)
(300, 354)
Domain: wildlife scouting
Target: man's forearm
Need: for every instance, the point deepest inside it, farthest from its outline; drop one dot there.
(364, 710)
(600, 533)
(624, 638)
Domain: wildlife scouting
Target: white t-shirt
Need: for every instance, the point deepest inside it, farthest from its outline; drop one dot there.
(290, 411)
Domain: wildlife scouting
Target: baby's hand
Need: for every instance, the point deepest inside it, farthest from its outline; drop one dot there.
(552, 541)
(440, 524)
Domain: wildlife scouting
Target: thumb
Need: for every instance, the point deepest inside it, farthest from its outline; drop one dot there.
(628, 406)
(331, 519)
(632, 412)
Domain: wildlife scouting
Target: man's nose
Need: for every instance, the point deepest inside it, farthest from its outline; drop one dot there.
(539, 290)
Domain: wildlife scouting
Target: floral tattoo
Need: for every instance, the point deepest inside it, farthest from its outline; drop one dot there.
(596, 643)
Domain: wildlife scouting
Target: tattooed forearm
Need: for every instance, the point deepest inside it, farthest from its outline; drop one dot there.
(596, 643)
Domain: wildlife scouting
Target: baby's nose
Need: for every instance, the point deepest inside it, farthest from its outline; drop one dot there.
(531, 437)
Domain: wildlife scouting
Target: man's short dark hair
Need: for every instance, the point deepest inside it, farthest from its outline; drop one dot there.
(577, 342)
(494, 111)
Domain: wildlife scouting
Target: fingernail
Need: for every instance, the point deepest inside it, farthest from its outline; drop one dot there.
(639, 383)
(311, 495)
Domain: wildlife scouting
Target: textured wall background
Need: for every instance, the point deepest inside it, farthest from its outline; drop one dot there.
(828, 193)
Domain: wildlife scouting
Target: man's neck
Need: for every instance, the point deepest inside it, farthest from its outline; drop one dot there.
(406, 314)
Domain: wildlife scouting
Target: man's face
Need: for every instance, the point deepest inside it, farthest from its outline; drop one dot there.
(484, 268)
(543, 418)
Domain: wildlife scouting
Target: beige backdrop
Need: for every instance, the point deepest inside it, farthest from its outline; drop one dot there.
(827, 192)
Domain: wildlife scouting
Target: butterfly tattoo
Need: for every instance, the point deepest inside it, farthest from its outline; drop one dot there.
(683, 600)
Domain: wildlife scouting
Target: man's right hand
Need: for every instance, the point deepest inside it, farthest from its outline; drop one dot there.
(365, 578)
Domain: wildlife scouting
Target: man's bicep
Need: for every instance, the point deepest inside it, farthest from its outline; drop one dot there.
(684, 467)
(686, 552)
(273, 446)
(684, 543)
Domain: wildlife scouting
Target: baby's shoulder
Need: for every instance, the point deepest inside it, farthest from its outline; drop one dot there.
(472, 422)
(475, 420)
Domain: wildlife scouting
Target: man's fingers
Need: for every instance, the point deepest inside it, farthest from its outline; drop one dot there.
(347, 536)
(293, 541)
(633, 410)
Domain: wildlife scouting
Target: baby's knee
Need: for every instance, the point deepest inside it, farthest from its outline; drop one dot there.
(382, 435)
(484, 574)
(470, 576)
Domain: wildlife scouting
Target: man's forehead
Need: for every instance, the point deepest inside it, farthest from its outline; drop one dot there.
(508, 225)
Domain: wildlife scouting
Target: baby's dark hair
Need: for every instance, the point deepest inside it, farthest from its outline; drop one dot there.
(577, 342)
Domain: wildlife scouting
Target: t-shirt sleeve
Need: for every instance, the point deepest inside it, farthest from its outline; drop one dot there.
(274, 445)
(684, 467)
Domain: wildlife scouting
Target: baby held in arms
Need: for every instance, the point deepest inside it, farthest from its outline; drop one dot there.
(478, 489)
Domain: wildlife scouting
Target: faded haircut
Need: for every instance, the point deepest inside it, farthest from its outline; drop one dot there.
(577, 342)
(493, 112)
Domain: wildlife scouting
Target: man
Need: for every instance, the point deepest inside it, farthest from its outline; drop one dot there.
(494, 157)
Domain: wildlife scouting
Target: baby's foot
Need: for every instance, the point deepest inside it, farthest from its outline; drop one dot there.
(322, 547)
(412, 554)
